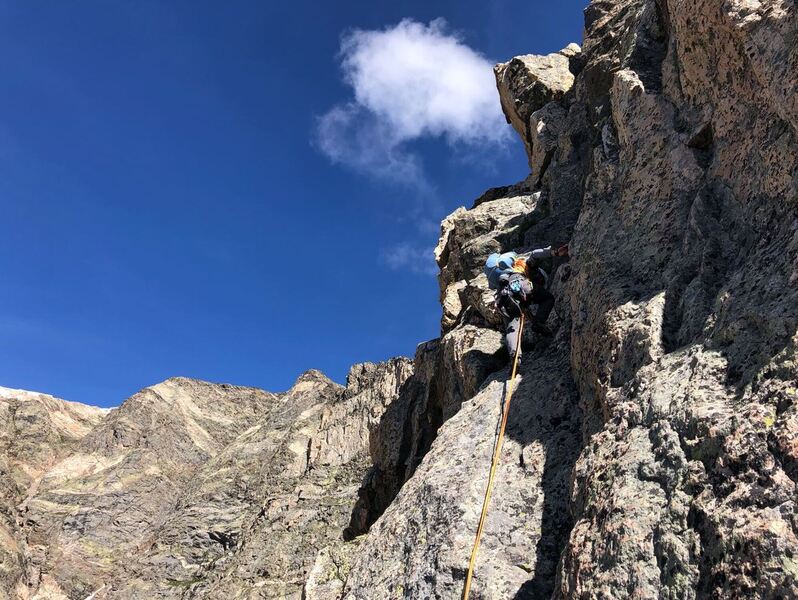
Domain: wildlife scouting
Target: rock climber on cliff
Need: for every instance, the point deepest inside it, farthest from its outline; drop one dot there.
(520, 282)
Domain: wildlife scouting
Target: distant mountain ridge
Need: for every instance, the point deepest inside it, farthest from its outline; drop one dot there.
(148, 498)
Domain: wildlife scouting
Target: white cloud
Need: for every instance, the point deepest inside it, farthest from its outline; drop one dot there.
(417, 259)
(350, 135)
(410, 81)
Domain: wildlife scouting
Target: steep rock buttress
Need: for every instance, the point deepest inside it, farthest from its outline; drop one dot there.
(653, 441)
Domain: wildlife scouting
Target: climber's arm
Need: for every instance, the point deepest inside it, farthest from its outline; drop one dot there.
(548, 252)
(541, 253)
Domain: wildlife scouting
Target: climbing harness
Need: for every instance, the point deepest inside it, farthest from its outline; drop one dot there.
(497, 448)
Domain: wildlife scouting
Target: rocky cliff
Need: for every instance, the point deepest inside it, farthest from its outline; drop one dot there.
(652, 443)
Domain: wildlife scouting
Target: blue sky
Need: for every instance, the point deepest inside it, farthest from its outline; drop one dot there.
(218, 190)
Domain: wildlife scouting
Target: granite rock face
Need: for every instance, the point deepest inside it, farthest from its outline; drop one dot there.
(670, 162)
(652, 442)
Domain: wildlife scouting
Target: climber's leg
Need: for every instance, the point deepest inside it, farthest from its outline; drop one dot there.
(545, 302)
(511, 331)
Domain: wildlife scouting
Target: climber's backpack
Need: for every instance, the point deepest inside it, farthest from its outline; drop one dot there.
(498, 265)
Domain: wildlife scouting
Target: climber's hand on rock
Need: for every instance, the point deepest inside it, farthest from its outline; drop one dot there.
(561, 251)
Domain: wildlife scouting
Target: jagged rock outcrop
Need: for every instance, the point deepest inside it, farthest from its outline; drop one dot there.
(306, 507)
(652, 444)
(530, 87)
(678, 315)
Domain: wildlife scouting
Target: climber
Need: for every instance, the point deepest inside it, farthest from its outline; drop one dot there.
(520, 282)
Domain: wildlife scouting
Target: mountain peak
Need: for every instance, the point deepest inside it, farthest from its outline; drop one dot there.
(312, 378)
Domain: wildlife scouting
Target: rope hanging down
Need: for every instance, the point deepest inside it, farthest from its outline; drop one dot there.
(495, 461)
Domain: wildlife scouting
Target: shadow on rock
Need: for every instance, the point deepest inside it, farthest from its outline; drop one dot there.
(544, 421)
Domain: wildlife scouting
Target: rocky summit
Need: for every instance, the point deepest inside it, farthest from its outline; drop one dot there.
(652, 443)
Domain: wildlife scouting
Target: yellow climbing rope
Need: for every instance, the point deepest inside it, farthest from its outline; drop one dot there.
(495, 461)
